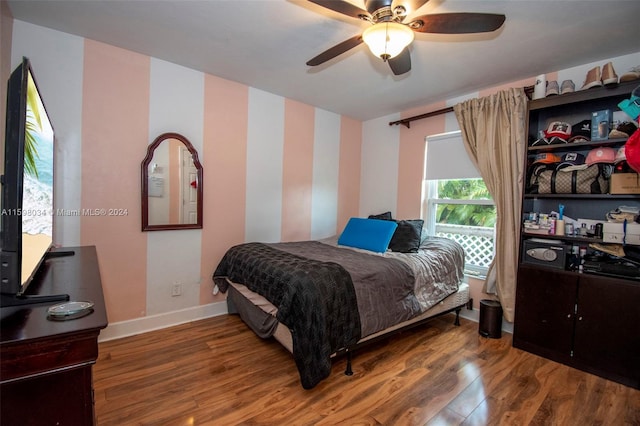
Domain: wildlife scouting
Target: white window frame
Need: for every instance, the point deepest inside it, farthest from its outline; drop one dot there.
(430, 200)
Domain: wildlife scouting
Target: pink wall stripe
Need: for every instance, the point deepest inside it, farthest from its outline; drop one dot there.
(349, 171)
(115, 121)
(297, 171)
(411, 160)
(224, 160)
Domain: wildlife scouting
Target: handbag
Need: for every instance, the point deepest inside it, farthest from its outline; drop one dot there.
(546, 179)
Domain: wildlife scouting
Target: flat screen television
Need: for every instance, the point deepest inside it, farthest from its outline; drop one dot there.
(27, 213)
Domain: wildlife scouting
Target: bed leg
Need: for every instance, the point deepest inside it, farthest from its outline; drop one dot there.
(348, 371)
(457, 320)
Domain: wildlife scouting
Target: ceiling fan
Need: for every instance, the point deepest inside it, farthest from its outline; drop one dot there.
(388, 36)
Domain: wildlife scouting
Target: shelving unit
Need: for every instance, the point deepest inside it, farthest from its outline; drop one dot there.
(583, 320)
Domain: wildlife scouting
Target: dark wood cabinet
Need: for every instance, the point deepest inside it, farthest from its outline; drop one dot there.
(545, 312)
(607, 341)
(587, 321)
(46, 365)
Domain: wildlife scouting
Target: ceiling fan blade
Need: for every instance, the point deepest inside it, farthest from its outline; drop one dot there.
(373, 5)
(457, 23)
(401, 63)
(343, 7)
(336, 50)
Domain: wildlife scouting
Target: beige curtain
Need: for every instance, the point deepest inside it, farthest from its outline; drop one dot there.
(493, 130)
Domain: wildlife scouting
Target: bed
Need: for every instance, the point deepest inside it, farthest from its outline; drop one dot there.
(322, 298)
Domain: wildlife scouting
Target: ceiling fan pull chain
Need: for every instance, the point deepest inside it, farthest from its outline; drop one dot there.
(385, 55)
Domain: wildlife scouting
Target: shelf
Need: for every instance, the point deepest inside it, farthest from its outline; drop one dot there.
(589, 95)
(586, 196)
(577, 146)
(567, 238)
(572, 317)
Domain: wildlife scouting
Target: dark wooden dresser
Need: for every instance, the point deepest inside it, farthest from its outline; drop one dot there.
(45, 365)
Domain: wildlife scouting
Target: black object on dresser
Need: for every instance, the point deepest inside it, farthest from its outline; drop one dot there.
(585, 320)
(46, 365)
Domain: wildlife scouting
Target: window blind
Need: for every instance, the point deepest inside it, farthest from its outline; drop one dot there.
(446, 158)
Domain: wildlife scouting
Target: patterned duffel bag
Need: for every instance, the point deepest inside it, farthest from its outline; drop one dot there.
(546, 179)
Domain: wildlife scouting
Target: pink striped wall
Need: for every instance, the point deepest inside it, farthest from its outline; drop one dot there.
(297, 173)
(349, 170)
(116, 96)
(224, 160)
(115, 120)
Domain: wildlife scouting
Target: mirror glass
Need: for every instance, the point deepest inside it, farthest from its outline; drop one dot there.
(171, 185)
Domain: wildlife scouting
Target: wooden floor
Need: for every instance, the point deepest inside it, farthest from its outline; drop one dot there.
(217, 372)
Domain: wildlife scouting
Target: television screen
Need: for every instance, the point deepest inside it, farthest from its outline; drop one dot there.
(37, 195)
(26, 222)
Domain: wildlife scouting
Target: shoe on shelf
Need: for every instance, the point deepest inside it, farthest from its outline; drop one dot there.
(593, 79)
(552, 88)
(567, 86)
(632, 74)
(609, 75)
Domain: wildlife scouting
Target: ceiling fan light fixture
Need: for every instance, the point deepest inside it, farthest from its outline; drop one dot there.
(387, 40)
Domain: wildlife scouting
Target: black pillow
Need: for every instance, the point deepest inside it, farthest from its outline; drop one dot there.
(381, 216)
(406, 238)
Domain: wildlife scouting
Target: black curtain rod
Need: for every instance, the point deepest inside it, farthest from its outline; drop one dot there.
(407, 121)
(528, 90)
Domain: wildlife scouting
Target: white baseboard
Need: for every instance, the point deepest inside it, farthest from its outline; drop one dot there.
(132, 327)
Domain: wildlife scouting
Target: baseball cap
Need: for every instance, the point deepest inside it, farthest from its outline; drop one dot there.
(581, 131)
(558, 129)
(572, 161)
(546, 158)
(601, 155)
(620, 155)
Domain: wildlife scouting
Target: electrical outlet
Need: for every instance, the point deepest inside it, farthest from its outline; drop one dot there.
(176, 289)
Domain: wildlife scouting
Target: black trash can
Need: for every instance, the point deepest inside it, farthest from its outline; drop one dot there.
(490, 319)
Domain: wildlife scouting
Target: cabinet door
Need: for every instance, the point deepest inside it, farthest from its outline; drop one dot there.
(544, 317)
(607, 336)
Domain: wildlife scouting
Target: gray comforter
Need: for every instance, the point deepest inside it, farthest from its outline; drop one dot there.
(384, 286)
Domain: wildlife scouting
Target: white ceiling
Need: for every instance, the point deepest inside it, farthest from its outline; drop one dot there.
(265, 44)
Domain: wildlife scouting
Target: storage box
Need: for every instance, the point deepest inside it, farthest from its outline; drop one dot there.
(614, 233)
(600, 125)
(624, 183)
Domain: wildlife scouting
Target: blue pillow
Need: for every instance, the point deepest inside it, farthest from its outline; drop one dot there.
(368, 234)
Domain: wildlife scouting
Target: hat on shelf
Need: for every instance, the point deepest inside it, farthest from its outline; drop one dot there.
(558, 129)
(601, 155)
(546, 158)
(620, 155)
(572, 161)
(581, 131)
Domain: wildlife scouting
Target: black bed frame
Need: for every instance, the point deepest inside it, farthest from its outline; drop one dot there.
(349, 351)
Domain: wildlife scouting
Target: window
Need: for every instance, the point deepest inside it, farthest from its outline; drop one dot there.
(456, 202)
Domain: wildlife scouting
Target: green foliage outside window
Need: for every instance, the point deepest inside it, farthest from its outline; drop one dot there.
(465, 214)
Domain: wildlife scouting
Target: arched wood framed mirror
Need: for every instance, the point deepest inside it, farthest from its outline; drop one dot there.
(171, 185)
